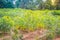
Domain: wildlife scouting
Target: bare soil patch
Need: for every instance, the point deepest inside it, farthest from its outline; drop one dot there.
(35, 35)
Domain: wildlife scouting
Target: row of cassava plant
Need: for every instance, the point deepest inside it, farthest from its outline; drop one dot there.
(29, 20)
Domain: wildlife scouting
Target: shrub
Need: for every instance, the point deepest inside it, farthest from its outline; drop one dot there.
(6, 23)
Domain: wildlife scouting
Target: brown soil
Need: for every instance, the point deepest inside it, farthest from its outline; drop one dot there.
(57, 38)
(32, 35)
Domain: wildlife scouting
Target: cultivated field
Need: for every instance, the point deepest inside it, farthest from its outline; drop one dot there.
(22, 24)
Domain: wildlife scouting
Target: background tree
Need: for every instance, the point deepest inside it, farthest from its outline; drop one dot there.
(2, 3)
(56, 4)
(48, 4)
(6, 4)
(30, 4)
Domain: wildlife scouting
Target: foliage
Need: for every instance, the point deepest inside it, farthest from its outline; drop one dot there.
(6, 23)
(17, 35)
(30, 4)
(28, 18)
(50, 36)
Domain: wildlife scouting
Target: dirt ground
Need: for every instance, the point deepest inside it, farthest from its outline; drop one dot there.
(32, 35)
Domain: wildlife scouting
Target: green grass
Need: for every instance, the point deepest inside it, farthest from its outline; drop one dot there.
(29, 19)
